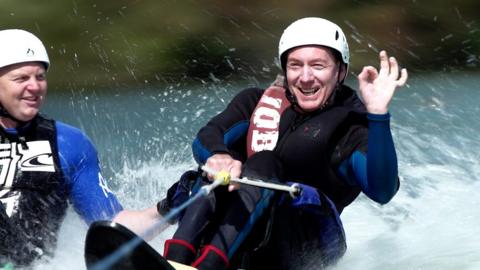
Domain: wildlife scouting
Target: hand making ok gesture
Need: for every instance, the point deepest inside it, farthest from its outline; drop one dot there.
(377, 88)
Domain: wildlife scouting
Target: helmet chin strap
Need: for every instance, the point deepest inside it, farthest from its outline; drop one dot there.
(342, 80)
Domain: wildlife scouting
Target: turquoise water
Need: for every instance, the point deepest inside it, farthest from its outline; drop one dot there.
(143, 138)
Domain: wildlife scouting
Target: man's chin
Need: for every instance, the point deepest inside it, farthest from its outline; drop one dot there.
(309, 106)
(27, 116)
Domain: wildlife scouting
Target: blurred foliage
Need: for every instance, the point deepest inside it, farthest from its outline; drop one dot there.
(132, 43)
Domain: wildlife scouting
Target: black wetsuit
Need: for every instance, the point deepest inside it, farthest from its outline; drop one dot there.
(315, 149)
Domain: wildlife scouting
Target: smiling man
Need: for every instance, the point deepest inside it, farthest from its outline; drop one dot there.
(44, 163)
(308, 128)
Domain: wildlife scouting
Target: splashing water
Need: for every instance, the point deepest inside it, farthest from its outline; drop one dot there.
(432, 223)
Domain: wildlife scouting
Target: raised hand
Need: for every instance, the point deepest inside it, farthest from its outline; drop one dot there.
(377, 88)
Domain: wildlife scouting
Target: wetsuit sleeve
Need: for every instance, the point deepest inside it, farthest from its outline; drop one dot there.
(376, 172)
(88, 190)
(227, 128)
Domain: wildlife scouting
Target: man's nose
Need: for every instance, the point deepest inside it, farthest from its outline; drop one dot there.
(307, 74)
(34, 84)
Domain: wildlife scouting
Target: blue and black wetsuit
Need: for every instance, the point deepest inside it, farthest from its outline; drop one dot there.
(45, 164)
(325, 151)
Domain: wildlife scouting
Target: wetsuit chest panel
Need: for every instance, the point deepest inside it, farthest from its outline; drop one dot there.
(31, 186)
(30, 167)
(306, 145)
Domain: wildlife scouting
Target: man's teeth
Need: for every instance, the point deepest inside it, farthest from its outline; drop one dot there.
(309, 91)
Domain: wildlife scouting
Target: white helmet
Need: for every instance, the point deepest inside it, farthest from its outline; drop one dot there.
(314, 31)
(18, 46)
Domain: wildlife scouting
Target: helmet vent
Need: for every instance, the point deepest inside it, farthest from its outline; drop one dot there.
(336, 35)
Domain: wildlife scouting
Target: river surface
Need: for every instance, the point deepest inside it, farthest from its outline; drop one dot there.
(143, 137)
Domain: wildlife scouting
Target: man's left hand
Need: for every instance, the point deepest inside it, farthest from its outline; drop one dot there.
(377, 88)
